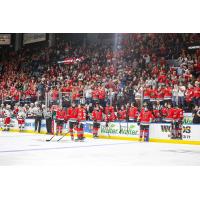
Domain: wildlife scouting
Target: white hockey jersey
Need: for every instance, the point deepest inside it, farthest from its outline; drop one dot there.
(21, 115)
(7, 113)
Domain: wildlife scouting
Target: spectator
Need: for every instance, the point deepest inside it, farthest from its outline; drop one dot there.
(181, 95)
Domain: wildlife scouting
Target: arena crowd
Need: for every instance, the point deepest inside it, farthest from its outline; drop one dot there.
(156, 69)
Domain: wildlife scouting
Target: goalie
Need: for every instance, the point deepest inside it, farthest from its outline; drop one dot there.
(144, 121)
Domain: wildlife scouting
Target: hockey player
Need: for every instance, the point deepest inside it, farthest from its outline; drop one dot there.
(122, 114)
(81, 117)
(170, 119)
(133, 113)
(163, 112)
(177, 123)
(60, 119)
(7, 118)
(110, 117)
(72, 114)
(97, 116)
(21, 115)
(157, 111)
(144, 120)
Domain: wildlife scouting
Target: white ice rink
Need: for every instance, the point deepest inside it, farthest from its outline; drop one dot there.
(32, 149)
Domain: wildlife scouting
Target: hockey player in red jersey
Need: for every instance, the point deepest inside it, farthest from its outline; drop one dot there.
(144, 120)
(72, 114)
(81, 118)
(169, 113)
(97, 117)
(122, 114)
(133, 113)
(163, 112)
(157, 111)
(110, 117)
(60, 119)
(171, 118)
(177, 123)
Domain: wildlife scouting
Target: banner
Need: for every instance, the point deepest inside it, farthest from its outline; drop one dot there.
(122, 129)
(33, 37)
(72, 61)
(163, 131)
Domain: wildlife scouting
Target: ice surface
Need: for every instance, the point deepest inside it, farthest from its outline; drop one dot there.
(32, 149)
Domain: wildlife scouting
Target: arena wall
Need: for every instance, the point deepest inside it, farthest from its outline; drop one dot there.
(125, 131)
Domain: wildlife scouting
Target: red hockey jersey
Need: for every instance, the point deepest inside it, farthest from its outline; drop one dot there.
(61, 115)
(145, 117)
(170, 114)
(97, 115)
(133, 113)
(164, 112)
(111, 117)
(122, 115)
(72, 113)
(81, 115)
(156, 113)
(178, 114)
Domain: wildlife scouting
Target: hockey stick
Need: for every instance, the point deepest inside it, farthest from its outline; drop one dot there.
(52, 130)
(48, 140)
(62, 137)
